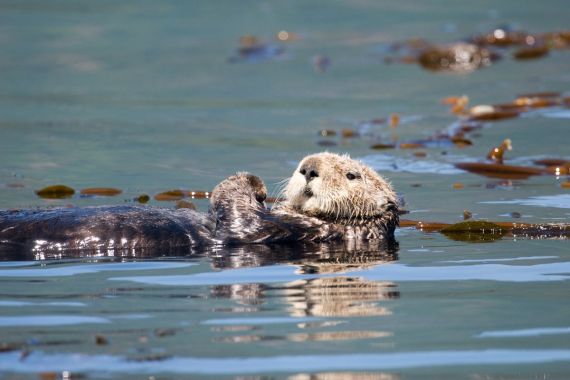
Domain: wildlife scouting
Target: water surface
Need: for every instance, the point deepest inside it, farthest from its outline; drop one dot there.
(142, 96)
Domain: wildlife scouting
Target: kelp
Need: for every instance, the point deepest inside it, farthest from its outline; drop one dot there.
(101, 191)
(56, 192)
(482, 230)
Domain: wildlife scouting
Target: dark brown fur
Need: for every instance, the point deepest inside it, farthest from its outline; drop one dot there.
(237, 215)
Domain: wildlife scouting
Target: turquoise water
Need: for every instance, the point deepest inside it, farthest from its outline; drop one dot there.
(142, 96)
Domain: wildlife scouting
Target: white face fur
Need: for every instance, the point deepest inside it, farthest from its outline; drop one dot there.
(334, 186)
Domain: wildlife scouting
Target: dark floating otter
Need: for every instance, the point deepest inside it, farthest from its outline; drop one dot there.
(328, 198)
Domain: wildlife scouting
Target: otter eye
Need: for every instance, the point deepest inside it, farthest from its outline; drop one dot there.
(352, 176)
(260, 197)
(303, 171)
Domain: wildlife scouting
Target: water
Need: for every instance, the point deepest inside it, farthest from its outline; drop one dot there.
(141, 96)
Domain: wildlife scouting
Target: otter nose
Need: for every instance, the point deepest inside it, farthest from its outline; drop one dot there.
(310, 171)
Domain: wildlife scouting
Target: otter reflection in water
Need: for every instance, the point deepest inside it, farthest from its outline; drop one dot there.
(326, 290)
(328, 198)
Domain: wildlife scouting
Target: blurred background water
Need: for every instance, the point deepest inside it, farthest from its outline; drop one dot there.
(144, 96)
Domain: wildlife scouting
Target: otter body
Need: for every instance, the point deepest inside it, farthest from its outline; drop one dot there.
(106, 227)
(328, 198)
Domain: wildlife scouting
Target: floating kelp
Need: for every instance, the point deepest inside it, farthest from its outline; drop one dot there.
(503, 37)
(348, 133)
(198, 194)
(479, 230)
(493, 170)
(411, 145)
(170, 195)
(101, 340)
(491, 113)
(537, 102)
(544, 94)
(457, 57)
(474, 231)
(144, 198)
(56, 192)
(478, 51)
(497, 168)
(460, 141)
(557, 40)
(475, 226)
(177, 194)
(529, 45)
(251, 49)
(496, 154)
(101, 191)
(531, 52)
(468, 126)
(485, 112)
(558, 170)
(552, 162)
(381, 146)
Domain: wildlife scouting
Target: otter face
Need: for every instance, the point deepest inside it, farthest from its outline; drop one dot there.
(330, 186)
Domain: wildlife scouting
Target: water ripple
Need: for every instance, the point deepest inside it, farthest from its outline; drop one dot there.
(259, 321)
(90, 268)
(524, 332)
(27, 303)
(556, 201)
(39, 361)
(388, 272)
(49, 320)
(388, 163)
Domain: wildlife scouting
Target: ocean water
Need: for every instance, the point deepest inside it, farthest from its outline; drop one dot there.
(149, 96)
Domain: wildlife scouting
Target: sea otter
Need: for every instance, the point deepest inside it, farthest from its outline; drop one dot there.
(105, 228)
(328, 198)
(341, 191)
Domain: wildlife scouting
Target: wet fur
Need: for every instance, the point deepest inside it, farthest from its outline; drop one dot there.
(336, 211)
(363, 207)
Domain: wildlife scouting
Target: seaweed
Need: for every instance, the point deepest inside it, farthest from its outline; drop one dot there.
(56, 192)
(101, 191)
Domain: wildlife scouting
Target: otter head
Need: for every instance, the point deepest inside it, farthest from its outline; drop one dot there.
(337, 188)
(237, 207)
(243, 191)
